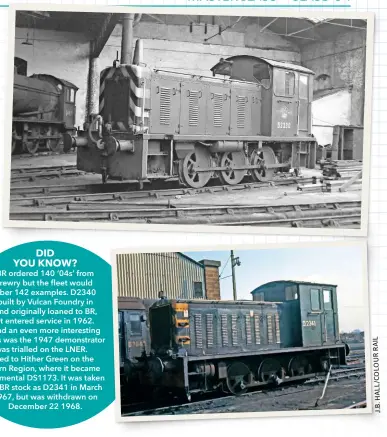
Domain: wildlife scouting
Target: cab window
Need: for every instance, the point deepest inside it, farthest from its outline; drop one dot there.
(69, 95)
(284, 83)
(315, 299)
(261, 73)
(327, 299)
(135, 324)
(303, 87)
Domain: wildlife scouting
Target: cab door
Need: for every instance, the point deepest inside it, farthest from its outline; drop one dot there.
(134, 335)
(311, 317)
(285, 103)
(303, 105)
(329, 321)
(69, 107)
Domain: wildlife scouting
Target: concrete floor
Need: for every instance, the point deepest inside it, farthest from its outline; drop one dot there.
(275, 195)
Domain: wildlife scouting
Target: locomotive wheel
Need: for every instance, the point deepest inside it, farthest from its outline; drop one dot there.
(238, 377)
(298, 366)
(55, 145)
(265, 156)
(231, 160)
(200, 158)
(269, 370)
(31, 146)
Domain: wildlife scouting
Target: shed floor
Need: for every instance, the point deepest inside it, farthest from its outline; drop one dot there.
(275, 195)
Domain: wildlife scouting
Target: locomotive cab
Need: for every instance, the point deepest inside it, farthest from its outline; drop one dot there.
(286, 88)
(66, 108)
(311, 310)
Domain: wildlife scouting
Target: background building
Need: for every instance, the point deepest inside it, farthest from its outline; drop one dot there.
(334, 49)
(144, 275)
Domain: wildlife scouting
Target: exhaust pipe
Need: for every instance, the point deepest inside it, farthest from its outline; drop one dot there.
(138, 56)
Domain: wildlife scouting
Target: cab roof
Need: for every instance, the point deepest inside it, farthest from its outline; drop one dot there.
(64, 82)
(290, 281)
(271, 62)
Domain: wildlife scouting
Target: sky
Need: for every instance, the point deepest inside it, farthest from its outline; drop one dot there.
(339, 265)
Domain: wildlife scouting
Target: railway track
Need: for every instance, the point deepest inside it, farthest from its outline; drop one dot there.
(338, 374)
(129, 189)
(31, 174)
(166, 211)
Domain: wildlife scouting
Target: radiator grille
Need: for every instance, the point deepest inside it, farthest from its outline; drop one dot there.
(193, 108)
(257, 329)
(224, 329)
(277, 328)
(218, 110)
(198, 330)
(165, 106)
(210, 330)
(234, 330)
(241, 111)
(248, 329)
(270, 328)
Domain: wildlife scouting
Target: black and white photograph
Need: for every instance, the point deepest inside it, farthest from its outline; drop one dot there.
(135, 119)
(268, 330)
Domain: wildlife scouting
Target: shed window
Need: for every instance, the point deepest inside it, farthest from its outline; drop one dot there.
(198, 290)
(284, 83)
(315, 299)
(327, 299)
(135, 324)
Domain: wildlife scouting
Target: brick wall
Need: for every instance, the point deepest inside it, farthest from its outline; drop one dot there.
(211, 274)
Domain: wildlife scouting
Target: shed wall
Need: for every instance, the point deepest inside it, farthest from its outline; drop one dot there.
(143, 275)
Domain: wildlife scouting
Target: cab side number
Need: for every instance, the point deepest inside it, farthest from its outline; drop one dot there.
(309, 323)
(284, 125)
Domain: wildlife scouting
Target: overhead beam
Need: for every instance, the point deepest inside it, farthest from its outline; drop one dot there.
(35, 14)
(107, 27)
(269, 24)
(306, 28)
(345, 25)
(159, 20)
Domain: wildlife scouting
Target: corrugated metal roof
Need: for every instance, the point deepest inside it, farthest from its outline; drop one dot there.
(291, 281)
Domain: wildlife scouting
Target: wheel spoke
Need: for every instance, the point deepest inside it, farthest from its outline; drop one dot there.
(200, 158)
(230, 176)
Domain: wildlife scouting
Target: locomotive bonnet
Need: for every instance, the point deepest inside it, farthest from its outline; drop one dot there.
(252, 117)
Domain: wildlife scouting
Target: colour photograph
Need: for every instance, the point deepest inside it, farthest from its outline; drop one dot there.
(149, 120)
(265, 331)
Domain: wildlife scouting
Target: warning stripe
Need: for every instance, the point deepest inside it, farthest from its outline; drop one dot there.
(135, 76)
(105, 75)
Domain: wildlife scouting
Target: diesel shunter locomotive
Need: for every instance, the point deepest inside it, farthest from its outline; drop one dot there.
(197, 346)
(252, 117)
